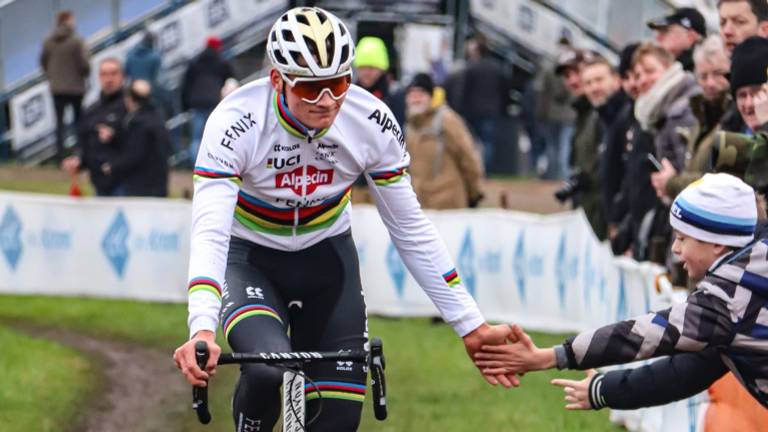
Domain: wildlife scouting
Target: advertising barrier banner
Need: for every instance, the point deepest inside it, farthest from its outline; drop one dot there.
(547, 273)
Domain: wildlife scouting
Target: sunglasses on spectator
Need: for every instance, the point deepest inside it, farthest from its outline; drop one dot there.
(311, 90)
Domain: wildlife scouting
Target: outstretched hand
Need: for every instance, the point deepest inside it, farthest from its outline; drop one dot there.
(576, 392)
(488, 335)
(519, 357)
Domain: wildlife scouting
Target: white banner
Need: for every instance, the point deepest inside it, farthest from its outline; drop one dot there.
(547, 273)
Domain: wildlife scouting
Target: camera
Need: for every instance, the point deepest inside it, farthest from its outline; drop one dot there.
(575, 183)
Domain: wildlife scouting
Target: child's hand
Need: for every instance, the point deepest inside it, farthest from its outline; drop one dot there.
(576, 392)
(516, 358)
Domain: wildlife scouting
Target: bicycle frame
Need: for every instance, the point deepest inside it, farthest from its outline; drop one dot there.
(293, 401)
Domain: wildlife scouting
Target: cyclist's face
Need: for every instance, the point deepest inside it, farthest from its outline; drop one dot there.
(319, 115)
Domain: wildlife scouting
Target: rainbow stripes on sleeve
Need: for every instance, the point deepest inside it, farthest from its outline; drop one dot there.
(384, 178)
(334, 390)
(204, 284)
(201, 173)
(452, 278)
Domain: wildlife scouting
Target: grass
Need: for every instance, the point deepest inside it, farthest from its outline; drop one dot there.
(43, 384)
(432, 385)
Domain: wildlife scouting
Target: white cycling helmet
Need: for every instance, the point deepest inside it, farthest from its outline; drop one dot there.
(310, 42)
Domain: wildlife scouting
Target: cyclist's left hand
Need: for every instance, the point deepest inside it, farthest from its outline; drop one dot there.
(491, 335)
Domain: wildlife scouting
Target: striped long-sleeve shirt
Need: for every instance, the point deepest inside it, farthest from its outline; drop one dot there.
(728, 312)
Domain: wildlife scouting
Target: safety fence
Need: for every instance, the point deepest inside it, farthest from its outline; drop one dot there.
(547, 273)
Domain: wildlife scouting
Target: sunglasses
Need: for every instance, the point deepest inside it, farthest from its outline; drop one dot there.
(311, 90)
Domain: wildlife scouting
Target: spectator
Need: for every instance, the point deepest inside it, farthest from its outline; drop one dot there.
(372, 67)
(201, 88)
(662, 107)
(554, 118)
(617, 117)
(64, 61)
(567, 69)
(143, 61)
(142, 164)
(484, 96)
(99, 135)
(736, 153)
(446, 169)
(679, 33)
(741, 19)
(712, 69)
(601, 83)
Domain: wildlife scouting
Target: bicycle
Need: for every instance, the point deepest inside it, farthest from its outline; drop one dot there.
(293, 401)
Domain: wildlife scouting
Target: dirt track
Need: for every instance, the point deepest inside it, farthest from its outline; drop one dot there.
(127, 370)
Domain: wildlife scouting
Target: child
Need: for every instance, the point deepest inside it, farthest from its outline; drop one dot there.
(723, 323)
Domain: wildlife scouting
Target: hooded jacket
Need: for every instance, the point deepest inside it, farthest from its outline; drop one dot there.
(201, 88)
(65, 61)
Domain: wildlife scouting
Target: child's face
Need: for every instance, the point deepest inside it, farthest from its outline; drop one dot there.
(697, 256)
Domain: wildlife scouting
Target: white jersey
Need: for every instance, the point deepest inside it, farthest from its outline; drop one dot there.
(261, 176)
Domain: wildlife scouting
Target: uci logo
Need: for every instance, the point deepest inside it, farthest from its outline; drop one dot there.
(278, 163)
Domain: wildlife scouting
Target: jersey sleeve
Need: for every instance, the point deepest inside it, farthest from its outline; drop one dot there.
(217, 179)
(414, 236)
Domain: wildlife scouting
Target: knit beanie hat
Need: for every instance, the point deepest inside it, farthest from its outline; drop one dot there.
(749, 62)
(372, 52)
(718, 208)
(422, 81)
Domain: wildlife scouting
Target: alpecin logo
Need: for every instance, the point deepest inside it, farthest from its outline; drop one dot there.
(115, 243)
(10, 237)
(296, 179)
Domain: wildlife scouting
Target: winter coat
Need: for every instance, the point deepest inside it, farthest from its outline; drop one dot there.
(724, 314)
(143, 63)
(202, 83)
(446, 169)
(616, 117)
(585, 159)
(665, 112)
(698, 160)
(109, 110)
(65, 62)
(142, 165)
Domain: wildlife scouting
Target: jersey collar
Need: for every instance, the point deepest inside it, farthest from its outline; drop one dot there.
(290, 123)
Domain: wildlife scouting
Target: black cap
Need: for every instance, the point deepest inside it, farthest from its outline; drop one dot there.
(567, 60)
(422, 81)
(625, 58)
(749, 63)
(689, 18)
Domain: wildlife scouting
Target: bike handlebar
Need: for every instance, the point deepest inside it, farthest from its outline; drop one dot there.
(200, 394)
(375, 361)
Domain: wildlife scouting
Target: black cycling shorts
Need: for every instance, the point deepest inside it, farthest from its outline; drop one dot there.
(307, 300)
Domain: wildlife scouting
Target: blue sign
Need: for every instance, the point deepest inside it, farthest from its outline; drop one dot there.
(396, 269)
(467, 263)
(115, 243)
(518, 265)
(10, 237)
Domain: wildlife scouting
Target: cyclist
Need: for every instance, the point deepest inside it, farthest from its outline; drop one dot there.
(280, 155)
